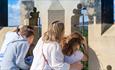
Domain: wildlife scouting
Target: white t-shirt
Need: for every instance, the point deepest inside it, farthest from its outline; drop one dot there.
(53, 54)
(76, 57)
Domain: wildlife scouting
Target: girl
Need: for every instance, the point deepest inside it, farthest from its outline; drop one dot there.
(73, 55)
(47, 53)
(15, 53)
(84, 46)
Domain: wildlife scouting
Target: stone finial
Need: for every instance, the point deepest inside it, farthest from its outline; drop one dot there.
(34, 15)
(109, 67)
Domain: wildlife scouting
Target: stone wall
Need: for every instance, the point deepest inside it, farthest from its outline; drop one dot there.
(68, 5)
(102, 47)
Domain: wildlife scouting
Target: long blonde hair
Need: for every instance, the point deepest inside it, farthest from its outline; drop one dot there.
(55, 32)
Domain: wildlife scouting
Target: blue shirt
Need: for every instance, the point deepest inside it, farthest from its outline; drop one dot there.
(14, 56)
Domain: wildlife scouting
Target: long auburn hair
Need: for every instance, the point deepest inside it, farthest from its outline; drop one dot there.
(76, 35)
(70, 47)
(69, 42)
(55, 31)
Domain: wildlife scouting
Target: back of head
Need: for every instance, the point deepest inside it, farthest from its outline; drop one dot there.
(69, 46)
(55, 32)
(26, 31)
(76, 35)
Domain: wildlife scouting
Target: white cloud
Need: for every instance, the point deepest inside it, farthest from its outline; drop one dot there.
(14, 13)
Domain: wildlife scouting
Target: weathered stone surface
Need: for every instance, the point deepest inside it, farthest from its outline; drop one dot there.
(56, 12)
(101, 47)
(26, 8)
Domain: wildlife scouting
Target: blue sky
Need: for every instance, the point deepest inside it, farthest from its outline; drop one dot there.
(12, 1)
(13, 12)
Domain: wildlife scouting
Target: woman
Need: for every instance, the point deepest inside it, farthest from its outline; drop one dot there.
(9, 37)
(16, 51)
(71, 50)
(47, 53)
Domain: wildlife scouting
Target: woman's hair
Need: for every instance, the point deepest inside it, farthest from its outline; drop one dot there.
(26, 30)
(55, 31)
(69, 46)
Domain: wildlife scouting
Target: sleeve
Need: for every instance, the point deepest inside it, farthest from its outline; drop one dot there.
(57, 58)
(37, 63)
(78, 56)
(21, 52)
(37, 45)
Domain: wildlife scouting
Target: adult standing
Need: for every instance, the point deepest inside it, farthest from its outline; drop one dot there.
(48, 53)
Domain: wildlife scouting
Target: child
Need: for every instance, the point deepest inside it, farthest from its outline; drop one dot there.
(71, 50)
(84, 45)
(16, 51)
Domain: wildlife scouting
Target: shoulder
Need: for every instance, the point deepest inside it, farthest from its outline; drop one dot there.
(23, 42)
(55, 45)
(19, 43)
(77, 56)
(11, 33)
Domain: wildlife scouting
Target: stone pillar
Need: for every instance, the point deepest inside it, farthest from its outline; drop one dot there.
(56, 12)
(75, 19)
(26, 8)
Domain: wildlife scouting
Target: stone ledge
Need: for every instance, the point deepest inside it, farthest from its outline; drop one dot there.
(3, 31)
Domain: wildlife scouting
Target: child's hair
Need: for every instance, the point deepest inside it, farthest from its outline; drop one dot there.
(55, 31)
(76, 35)
(69, 47)
(26, 30)
(69, 42)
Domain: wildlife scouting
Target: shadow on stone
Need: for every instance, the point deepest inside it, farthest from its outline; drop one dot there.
(93, 61)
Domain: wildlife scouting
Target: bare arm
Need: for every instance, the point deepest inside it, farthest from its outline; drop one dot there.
(85, 58)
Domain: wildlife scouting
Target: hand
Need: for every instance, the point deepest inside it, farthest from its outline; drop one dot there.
(77, 66)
